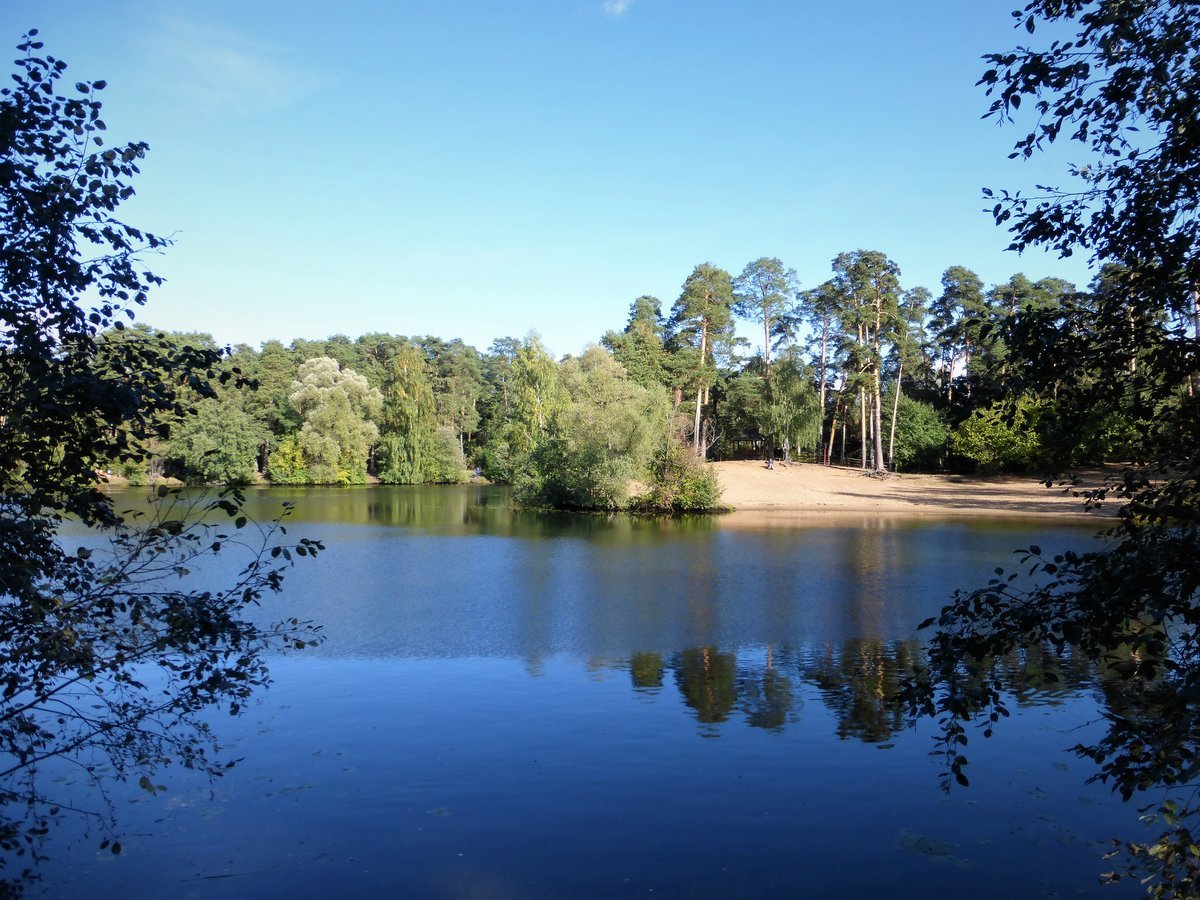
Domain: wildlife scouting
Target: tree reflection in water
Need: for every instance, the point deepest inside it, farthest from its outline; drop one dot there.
(707, 680)
(857, 680)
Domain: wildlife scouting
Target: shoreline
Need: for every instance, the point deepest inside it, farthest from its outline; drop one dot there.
(802, 490)
(802, 493)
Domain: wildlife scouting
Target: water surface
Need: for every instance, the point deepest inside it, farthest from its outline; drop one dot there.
(513, 704)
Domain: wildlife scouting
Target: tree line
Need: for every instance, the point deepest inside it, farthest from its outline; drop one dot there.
(858, 370)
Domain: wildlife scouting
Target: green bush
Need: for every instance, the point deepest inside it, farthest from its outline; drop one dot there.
(1002, 437)
(921, 434)
(286, 465)
(679, 482)
(598, 440)
(133, 471)
(575, 475)
(217, 445)
(445, 463)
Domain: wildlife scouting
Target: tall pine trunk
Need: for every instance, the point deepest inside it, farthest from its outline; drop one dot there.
(862, 401)
(877, 364)
(821, 405)
(837, 407)
(1194, 381)
(895, 411)
(950, 380)
(767, 383)
(862, 426)
(967, 367)
(697, 441)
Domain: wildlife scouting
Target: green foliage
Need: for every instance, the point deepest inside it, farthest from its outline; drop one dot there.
(495, 406)
(110, 663)
(132, 470)
(790, 415)
(763, 293)
(1134, 202)
(445, 463)
(218, 445)
(337, 406)
(1122, 360)
(679, 482)
(1004, 437)
(868, 285)
(704, 310)
(407, 420)
(458, 384)
(274, 368)
(533, 397)
(701, 321)
(957, 320)
(795, 416)
(286, 463)
(745, 404)
(640, 348)
(601, 439)
(921, 434)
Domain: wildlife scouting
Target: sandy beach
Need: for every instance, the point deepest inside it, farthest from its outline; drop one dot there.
(804, 489)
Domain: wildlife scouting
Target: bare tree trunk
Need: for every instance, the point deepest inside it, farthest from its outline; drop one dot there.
(862, 425)
(767, 349)
(967, 366)
(767, 383)
(697, 439)
(877, 365)
(821, 406)
(1194, 381)
(950, 380)
(877, 425)
(837, 407)
(1132, 336)
(895, 410)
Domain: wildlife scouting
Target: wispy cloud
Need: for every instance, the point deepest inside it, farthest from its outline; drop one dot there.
(616, 8)
(223, 70)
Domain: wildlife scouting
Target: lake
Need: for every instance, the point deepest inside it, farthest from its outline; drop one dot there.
(519, 704)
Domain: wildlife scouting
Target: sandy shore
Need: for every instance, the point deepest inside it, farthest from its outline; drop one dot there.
(802, 489)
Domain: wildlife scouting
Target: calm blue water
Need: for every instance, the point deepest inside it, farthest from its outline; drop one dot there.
(520, 705)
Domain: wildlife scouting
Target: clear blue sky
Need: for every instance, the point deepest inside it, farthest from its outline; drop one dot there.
(478, 168)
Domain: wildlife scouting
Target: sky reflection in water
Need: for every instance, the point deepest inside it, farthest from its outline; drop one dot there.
(529, 705)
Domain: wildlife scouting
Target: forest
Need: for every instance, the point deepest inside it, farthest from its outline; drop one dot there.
(859, 370)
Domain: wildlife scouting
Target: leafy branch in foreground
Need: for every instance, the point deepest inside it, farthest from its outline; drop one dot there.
(1126, 88)
(109, 671)
(1130, 609)
(107, 662)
